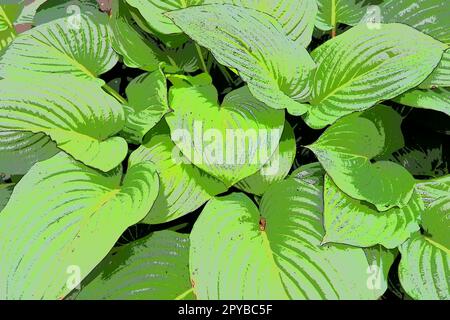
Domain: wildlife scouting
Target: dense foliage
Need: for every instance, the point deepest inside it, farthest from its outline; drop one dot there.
(224, 149)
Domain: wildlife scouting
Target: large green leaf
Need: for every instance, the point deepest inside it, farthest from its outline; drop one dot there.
(80, 124)
(276, 169)
(19, 151)
(61, 47)
(183, 186)
(275, 68)
(8, 14)
(147, 99)
(365, 65)
(436, 216)
(61, 221)
(424, 269)
(440, 77)
(295, 17)
(230, 141)
(238, 252)
(357, 223)
(346, 150)
(433, 99)
(153, 268)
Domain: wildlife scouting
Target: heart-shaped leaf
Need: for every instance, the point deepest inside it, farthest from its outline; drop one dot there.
(273, 253)
(183, 186)
(62, 219)
(346, 151)
(230, 141)
(80, 124)
(275, 68)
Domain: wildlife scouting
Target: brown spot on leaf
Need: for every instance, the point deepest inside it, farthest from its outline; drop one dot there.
(20, 28)
(262, 224)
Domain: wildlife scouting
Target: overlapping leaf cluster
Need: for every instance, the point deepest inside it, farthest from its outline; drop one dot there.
(83, 159)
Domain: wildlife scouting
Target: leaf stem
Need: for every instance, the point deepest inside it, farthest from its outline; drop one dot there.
(333, 18)
(114, 93)
(200, 55)
(184, 294)
(226, 74)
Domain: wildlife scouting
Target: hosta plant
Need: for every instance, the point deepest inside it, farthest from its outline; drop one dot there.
(224, 149)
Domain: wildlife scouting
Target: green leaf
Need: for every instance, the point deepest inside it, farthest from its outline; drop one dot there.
(424, 269)
(80, 48)
(29, 11)
(363, 66)
(427, 16)
(332, 12)
(436, 216)
(230, 141)
(295, 17)
(55, 9)
(275, 68)
(6, 190)
(153, 268)
(389, 121)
(183, 187)
(8, 14)
(422, 162)
(238, 252)
(80, 124)
(137, 50)
(359, 224)
(183, 58)
(62, 219)
(153, 12)
(312, 173)
(147, 99)
(346, 150)
(436, 99)
(276, 169)
(440, 77)
(19, 151)
(380, 262)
